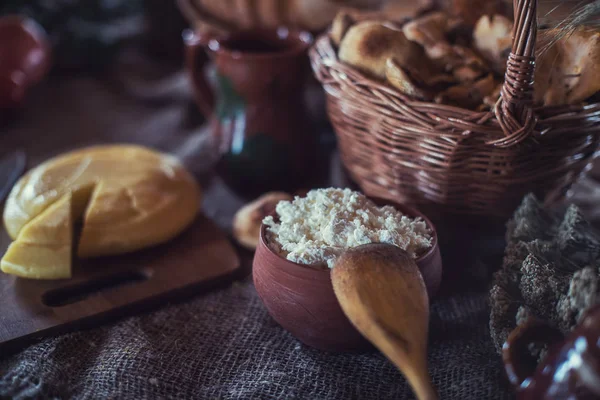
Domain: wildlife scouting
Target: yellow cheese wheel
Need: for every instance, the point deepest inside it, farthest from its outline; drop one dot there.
(44, 246)
(128, 197)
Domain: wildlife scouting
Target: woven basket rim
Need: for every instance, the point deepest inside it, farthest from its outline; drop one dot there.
(377, 84)
(333, 60)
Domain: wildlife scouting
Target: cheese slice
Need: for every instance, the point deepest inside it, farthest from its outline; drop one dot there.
(43, 248)
(128, 197)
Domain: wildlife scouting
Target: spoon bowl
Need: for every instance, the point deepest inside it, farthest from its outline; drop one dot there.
(381, 290)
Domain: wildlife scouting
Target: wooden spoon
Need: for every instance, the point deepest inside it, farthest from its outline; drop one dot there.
(381, 291)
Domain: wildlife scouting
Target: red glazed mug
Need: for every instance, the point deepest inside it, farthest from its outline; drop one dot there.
(571, 370)
(257, 111)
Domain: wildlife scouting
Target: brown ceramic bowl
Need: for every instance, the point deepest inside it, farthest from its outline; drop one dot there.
(301, 298)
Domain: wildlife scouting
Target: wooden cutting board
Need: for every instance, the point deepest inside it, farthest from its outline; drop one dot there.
(114, 286)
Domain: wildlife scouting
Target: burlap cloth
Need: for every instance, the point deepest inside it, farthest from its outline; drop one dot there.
(222, 344)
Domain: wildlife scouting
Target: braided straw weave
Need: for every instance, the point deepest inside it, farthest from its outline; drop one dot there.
(460, 160)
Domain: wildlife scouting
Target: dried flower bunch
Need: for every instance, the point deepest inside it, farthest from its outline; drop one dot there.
(456, 54)
(550, 271)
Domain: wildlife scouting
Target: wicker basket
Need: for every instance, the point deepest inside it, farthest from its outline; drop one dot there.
(458, 160)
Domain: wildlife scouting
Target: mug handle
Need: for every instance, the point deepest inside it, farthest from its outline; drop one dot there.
(518, 363)
(195, 59)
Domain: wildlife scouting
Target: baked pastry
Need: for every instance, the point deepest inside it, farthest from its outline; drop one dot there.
(340, 25)
(470, 94)
(248, 220)
(430, 29)
(492, 37)
(401, 80)
(347, 17)
(128, 198)
(368, 45)
(567, 71)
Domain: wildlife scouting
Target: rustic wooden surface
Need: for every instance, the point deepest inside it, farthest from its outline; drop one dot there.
(112, 286)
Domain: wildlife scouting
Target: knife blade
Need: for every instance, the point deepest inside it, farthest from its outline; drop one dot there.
(11, 168)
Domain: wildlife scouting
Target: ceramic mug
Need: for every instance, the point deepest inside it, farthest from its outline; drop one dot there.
(259, 118)
(571, 370)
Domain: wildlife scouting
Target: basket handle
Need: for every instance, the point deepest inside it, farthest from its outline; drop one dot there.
(514, 110)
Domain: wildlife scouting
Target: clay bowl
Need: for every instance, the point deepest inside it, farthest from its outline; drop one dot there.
(24, 58)
(301, 298)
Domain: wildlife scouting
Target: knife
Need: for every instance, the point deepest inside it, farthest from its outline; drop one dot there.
(11, 168)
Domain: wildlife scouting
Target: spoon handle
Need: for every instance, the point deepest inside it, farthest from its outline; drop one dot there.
(420, 382)
(409, 358)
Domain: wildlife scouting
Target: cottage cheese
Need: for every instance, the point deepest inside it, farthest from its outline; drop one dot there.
(319, 227)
